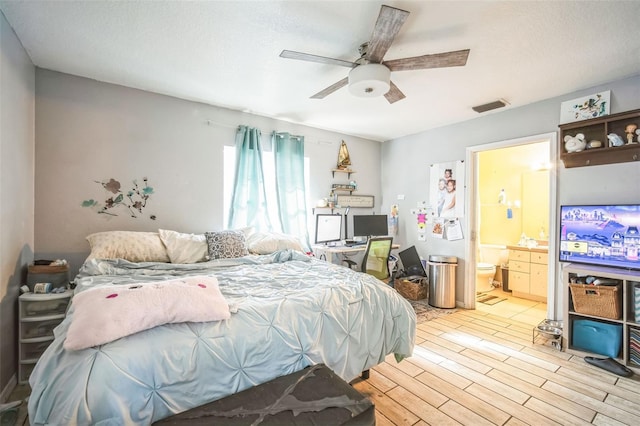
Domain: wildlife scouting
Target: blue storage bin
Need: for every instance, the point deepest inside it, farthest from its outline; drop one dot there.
(597, 337)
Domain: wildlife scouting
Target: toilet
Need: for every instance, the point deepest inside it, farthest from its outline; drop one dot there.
(484, 277)
(490, 256)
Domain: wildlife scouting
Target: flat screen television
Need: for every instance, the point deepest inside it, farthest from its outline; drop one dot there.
(373, 225)
(328, 228)
(605, 235)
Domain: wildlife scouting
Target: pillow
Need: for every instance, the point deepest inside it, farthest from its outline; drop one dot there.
(226, 244)
(184, 248)
(128, 245)
(104, 314)
(269, 242)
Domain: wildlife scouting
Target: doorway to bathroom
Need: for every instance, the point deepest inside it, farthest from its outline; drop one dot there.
(511, 197)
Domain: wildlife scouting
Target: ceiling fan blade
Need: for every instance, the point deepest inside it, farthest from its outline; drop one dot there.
(438, 60)
(394, 94)
(329, 90)
(290, 54)
(387, 27)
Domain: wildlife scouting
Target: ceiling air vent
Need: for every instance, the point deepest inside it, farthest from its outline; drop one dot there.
(491, 105)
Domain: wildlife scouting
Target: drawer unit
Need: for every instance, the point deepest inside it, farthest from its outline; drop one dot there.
(528, 273)
(41, 308)
(26, 367)
(541, 258)
(39, 327)
(31, 350)
(39, 315)
(520, 255)
(519, 266)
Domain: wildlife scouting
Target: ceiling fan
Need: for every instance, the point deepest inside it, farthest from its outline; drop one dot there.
(370, 75)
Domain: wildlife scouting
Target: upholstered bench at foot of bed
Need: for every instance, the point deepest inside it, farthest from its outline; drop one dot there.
(313, 396)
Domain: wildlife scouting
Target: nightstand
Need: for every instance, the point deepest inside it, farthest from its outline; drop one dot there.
(39, 315)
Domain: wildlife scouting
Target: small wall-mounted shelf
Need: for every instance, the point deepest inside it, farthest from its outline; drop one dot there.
(598, 129)
(340, 187)
(347, 171)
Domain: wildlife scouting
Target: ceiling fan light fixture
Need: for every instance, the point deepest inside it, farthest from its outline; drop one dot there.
(369, 80)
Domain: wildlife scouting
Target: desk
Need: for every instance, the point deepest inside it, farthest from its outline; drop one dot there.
(330, 251)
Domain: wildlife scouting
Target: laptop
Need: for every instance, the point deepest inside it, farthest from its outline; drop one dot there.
(411, 263)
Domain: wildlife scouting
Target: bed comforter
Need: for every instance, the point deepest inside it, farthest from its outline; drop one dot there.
(288, 311)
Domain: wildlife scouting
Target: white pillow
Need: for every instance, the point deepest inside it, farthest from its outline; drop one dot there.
(184, 248)
(129, 245)
(104, 314)
(269, 242)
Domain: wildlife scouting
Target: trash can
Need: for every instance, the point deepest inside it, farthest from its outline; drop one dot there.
(442, 281)
(505, 278)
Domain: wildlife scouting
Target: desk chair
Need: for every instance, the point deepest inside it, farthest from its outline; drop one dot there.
(376, 258)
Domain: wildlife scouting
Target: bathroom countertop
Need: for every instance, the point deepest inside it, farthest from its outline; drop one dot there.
(539, 249)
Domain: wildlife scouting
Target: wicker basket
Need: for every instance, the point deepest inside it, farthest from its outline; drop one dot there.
(48, 269)
(600, 301)
(57, 275)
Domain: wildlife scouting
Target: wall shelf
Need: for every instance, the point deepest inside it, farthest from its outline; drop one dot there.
(598, 129)
(347, 171)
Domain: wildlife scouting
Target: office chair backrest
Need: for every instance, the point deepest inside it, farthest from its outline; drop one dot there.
(376, 257)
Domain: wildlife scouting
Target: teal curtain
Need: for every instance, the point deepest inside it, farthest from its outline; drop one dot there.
(249, 200)
(288, 152)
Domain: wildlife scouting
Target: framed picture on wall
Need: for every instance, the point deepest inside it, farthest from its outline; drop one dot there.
(355, 200)
(591, 106)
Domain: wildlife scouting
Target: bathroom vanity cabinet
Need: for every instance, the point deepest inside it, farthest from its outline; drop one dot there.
(528, 272)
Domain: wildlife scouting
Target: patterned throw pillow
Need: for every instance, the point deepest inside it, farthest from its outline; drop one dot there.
(129, 245)
(226, 244)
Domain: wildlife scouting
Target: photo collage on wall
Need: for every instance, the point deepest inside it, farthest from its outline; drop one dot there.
(447, 194)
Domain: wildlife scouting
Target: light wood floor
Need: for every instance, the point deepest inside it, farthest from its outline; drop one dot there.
(480, 367)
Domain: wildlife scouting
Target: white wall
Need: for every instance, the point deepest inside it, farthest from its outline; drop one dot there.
(406, 161)
(17, 86)
(90, 131)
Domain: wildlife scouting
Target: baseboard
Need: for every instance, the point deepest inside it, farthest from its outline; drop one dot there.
(13, 382)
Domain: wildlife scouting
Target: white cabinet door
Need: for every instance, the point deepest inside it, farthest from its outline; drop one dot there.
(538, 280)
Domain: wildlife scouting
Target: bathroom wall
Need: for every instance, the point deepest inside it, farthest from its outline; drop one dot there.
(514, 169)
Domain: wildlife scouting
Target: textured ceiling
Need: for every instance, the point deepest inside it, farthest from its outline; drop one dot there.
(225, 53)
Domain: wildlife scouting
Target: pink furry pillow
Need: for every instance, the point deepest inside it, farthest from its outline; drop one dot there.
(105, 314)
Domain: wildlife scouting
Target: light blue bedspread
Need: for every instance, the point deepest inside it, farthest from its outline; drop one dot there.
(292, 311)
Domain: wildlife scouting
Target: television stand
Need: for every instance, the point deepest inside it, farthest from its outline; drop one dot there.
(618, 310)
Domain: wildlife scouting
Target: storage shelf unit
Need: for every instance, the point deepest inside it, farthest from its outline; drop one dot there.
(598, 129)
(628, 280)
(39, 315)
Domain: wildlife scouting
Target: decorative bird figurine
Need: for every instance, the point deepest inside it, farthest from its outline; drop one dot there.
(615, 140)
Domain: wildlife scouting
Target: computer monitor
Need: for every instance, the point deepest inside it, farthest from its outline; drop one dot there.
(370, 225)
(411, 262)
(328, 228)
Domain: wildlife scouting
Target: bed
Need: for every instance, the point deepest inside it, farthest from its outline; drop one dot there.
(287, 311)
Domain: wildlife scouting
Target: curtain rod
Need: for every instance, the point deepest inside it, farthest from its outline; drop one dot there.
(212, 122)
